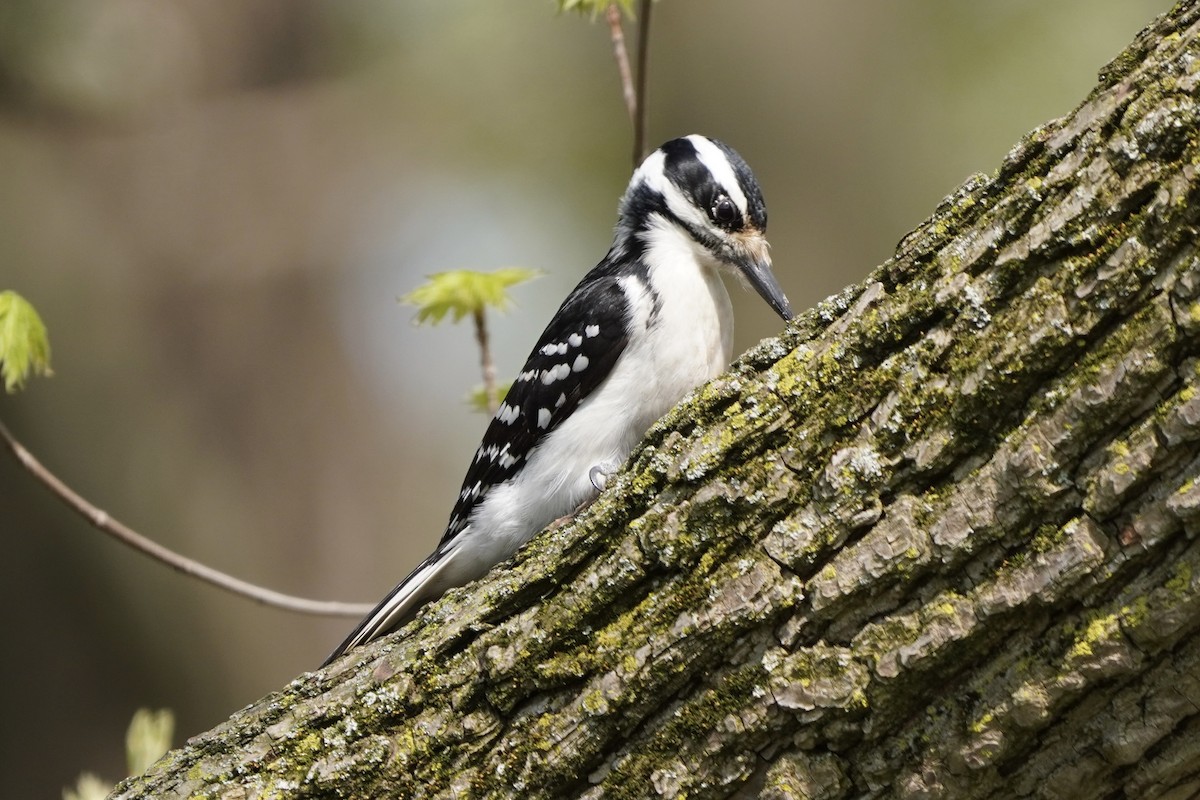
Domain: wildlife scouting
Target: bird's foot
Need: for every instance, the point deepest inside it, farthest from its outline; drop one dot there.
(600, 474)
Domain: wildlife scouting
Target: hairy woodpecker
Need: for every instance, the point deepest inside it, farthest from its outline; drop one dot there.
(649, 323)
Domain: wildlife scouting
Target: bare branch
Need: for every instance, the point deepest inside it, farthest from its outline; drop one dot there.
(115, 528)
(613, 14)
(643, 60)
(485, 361)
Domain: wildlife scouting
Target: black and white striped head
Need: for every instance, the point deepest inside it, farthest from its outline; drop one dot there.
(702, 186)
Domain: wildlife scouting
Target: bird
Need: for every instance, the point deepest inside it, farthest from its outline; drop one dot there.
(645, 326)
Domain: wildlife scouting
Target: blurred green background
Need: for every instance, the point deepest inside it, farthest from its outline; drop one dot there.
(214, 204)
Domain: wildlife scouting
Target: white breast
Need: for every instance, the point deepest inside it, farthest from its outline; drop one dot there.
(689, 340)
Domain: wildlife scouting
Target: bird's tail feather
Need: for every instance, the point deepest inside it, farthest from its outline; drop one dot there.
(401, 603)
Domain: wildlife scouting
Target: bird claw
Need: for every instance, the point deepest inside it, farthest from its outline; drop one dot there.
(599, 475)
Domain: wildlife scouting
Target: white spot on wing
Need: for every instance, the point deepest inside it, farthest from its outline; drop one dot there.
(562, 398)
(581, 363)
(556, 373)
(543, 417)
(506, 413)
(592, 330)
(575, 340)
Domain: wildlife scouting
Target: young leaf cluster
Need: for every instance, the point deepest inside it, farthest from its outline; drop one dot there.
(477, 397)
(146, 740)
(24, 346)
(462, 292)
(595, 7)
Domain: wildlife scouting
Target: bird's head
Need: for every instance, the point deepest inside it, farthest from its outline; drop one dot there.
(704, 188)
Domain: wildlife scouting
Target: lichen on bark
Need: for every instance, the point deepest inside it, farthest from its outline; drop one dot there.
(937, 539)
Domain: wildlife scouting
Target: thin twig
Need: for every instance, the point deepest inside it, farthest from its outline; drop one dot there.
(613, 14)
(643, 60)
(126, 535)
(485, 362)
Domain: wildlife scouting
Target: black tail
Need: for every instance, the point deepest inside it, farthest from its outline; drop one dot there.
(402, 603)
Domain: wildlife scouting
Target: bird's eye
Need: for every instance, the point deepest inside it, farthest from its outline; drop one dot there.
(723, 210)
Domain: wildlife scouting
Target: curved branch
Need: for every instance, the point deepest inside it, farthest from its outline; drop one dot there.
(621, 55)
(486, 364)
(643, 60)
(101, 520)
(633, 92)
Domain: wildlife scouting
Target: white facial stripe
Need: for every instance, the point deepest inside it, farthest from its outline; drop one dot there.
(652, 173)
(718, 164)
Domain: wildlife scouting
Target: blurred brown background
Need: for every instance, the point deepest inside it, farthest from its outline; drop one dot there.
(214, 204)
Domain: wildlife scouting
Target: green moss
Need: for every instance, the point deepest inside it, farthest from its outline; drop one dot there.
(1181, 579)
(1047, 537)
(1136, 614)
(886, 636)
(690, 724)
(944, 609)
(1100, 628)
(984, 722)
(1148, 327)
(792, 372)
(594, 702)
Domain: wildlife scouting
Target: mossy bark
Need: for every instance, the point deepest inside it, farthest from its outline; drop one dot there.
(937, 540)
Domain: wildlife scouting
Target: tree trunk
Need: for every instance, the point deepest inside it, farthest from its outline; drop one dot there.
(938, 540)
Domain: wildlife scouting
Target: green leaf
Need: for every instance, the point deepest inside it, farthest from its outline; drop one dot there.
(148, 738)
(463, 291)
(24, 346)
(88, 787)
(146, 741)
(477, 397)
(594, 8)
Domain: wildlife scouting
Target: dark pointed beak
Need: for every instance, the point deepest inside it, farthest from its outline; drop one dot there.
(753, 262)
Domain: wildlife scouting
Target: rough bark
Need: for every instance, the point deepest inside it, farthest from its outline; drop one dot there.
(938, 540)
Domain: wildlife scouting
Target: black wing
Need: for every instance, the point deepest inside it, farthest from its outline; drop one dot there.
(573, 356)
